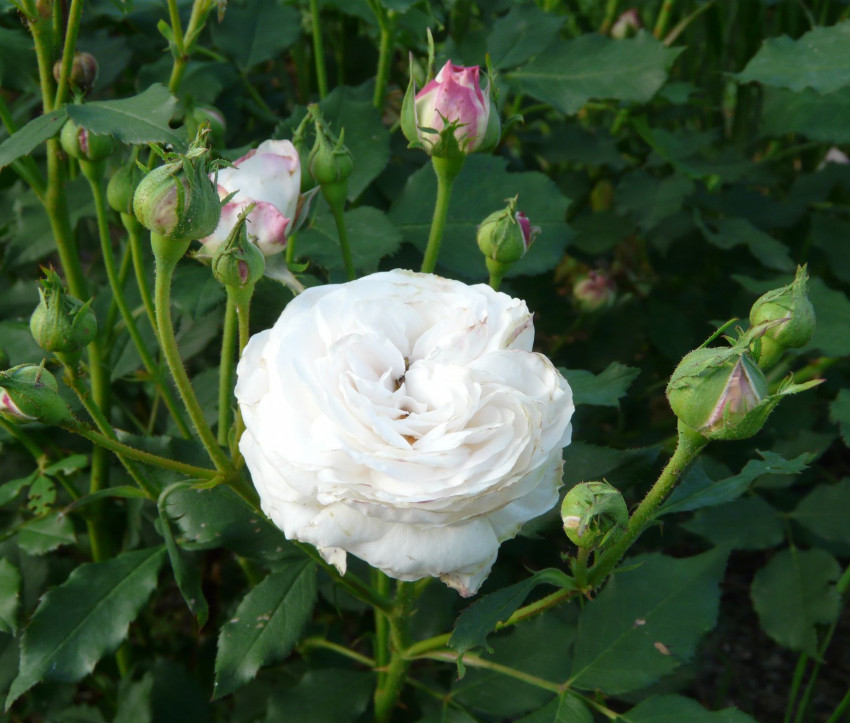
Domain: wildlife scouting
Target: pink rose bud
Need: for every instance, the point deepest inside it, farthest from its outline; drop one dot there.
(270, 178)
(594, 291)
(455, 101)
(627, 24)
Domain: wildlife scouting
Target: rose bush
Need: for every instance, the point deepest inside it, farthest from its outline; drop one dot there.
(269, 177)
(403, 418)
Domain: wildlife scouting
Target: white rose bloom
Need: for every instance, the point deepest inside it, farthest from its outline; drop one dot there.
(404, 418)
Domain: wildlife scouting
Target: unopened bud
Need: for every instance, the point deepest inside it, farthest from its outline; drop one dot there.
(626, 25)
(786, 317)
(61, 323)
(83, 71)
(82, 144)
(29, 393)
(122, 187)
(237, 263)
(505, 235)
(594, 291)
(594, 514)
(178, 201)
(330, 163)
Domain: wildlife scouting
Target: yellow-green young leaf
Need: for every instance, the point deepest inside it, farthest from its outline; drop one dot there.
(565, 708)
(265, 626)
(647, 621)
(669, 708)
(820, 59)
(10, 588)
(793, 593)
(85, 618)
(572, 72)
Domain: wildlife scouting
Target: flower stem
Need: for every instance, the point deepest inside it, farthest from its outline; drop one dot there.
(138, 454)
(92, 173)
(391, 682)
(446, 170)
(339, 219)
(386, 22)
(226, 368)
(689, 445)
(200, 9)
(662, 22)
(134, 237)
(166, 260)
(318, 49)
(610, 15)
(71, 29)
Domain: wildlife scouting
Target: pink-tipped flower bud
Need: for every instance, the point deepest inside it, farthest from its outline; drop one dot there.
(83, 71)
(452, 114)
(269, 178)
(82, 144)
(594, 514)
(627, 24)
(594, 291)
(506, 235)
(29, 393)
(721, 393)
(237, 263)
(787, 318)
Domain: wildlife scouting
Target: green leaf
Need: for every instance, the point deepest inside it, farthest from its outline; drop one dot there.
(828, 232)
(11, 489)
(697, 490)
(749, 523)
(371, 237)
(253, 32)
(31, 135)
(85, 618)
(267, 623)
(42, 495)
(481, 188)
(66, 466)
(726, 233)
(676, 708)
(44, 534)
(652, 200)
(481, 618)
(218, 517)
(647, 621)
(323, 695)
(807, 113)
(604, 389)
(792, 594)
(824, 511)
(569, 73)
(839, 413)
(820, 59)
(141, 118)
(134, 701)
(521, 34)
(832, 310)
(565, 708)
(187, 573)
(17, 60)
(540, 647)
(584, 462)
(10, 589)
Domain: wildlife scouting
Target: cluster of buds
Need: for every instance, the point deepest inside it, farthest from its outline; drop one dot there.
(594, 515)
(452, 115)
(61, 323)
(29, 393)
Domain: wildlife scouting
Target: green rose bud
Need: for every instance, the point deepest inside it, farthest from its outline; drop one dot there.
(122, 187)
(83, 71)
(61, 323)
(237, 263)
(330, 162)
(594, 514)
(786, 317)
(721, 393)
(29, 393)
(84, 145)
(178, 201)
(505, 236)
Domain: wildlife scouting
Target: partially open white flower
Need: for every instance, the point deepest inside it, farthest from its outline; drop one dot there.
(404, 418)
